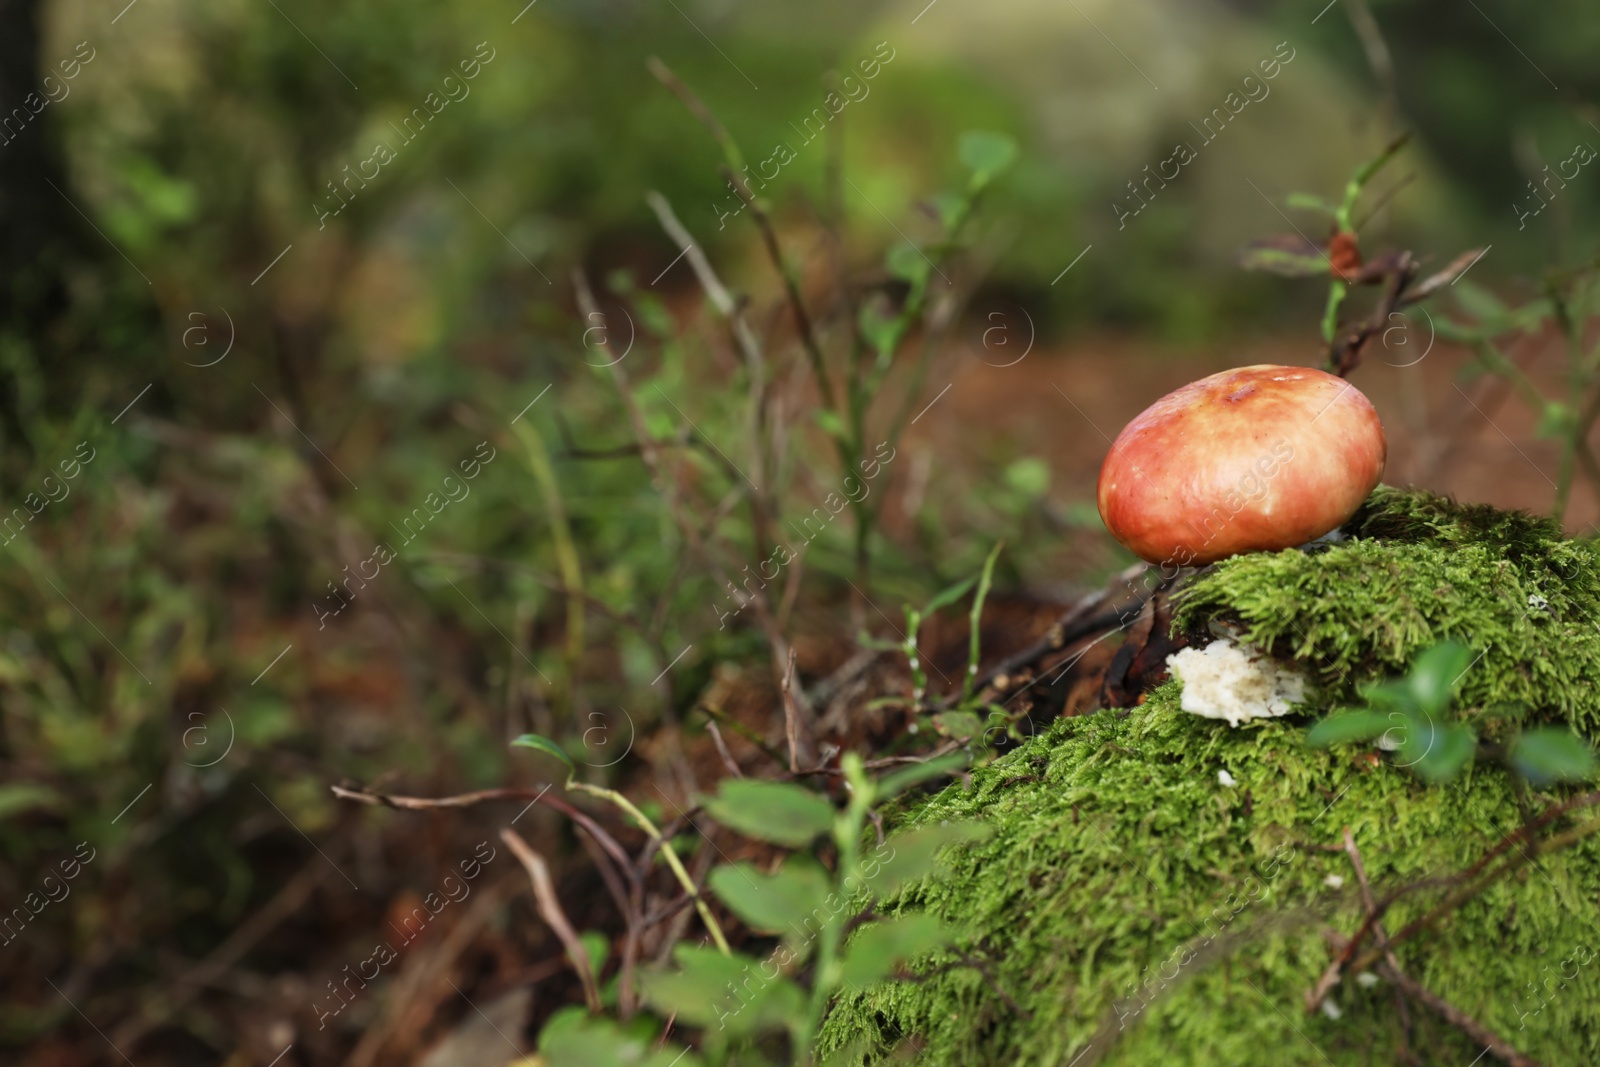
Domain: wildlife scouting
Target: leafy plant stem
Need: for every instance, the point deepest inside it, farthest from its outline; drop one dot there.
(668, 853)
(848, 830)
(976, 615)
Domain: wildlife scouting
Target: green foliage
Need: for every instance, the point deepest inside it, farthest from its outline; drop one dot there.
(784, 814)
(1413, 714)
(1291, 255)
(771, 903)
(1415, 725)
(738, 1000)
(1547, 755)
(986, 155)
(573, 1039)
(879, 948)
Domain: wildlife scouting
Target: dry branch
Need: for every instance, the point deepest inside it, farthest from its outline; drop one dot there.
(544, 895)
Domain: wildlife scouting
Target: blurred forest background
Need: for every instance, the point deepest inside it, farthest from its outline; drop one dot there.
(252, 391)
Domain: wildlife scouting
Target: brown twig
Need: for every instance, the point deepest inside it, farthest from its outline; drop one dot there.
(467, 800)
(1457, 899)
(544, 895)
(627, 899)
(743, 731)
(769, 238)
(1497, 1045)
(1378, 933)
(1526, 830)
(802, 749)
(1345, 353)
(722, 749)
(1073, 624)
(718, 294)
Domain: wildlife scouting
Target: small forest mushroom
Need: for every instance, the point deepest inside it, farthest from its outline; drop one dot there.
(1251, 459)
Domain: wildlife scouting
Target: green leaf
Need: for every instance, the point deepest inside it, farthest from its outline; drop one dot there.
(908, 263)
(891, 785)
(881, 946)
(1346, 726)
(949, 596)
(700, 988)
(866, 640)
(1029, 476)
(777, 903)
(1391, 696)
(947, 207)
(957, 724)
(543, 744)
(598, 946)
(909, 856)
(1549, 754)
(1308, 202)
(1286, 254)
(573, 1038)
(1436, 751)
(1435, 672)
(779, 812)
(736, 993)
(987, 154)
(1451, 330)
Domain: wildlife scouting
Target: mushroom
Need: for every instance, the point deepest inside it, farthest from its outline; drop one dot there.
(1251, 459)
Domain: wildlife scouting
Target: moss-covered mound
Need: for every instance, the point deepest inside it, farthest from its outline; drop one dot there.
(1417, 570)
(1134, 909)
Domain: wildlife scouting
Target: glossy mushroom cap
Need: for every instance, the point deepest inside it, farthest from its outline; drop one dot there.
(1251, 459)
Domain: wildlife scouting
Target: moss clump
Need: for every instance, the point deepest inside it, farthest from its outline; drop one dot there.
(1129, 899)
(1419, 569)
(1125, 855)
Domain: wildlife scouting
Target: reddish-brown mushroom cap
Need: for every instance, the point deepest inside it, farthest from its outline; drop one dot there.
(1255, 458)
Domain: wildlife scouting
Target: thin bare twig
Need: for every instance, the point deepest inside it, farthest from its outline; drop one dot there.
(467, 800)
(1074, 623)
(722, 749)
(1523, 832)
(544, 895)
(1497, 1045)
(1456, 900)
(718, 293)
(1378, 933)
(797, 725)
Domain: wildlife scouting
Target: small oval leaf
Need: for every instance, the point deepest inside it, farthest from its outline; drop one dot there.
(784, 814)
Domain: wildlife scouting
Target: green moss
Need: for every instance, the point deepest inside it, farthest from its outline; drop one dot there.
(1118, 856)
(1417, 570)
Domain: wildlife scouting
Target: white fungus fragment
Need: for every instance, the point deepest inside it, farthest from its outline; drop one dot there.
(1331, 1010)
(1226, 779)
(1232, 682)
(1366, 979)
(1333, 881)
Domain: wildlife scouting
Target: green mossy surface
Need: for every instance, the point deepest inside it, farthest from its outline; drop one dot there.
(1127, 893)
(1418, 570)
